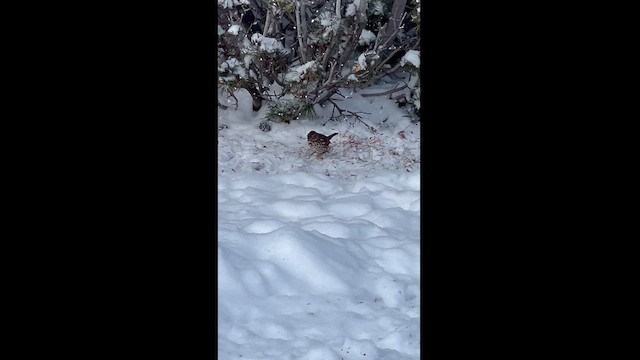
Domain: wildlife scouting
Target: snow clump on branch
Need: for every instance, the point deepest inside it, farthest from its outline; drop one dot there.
(268, 44)
(234, 29)
(366, 37)
(297, 72)
(412, 57)
(228, 4)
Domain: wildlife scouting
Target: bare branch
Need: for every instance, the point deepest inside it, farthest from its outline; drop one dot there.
(329, 50)
(394, 33)
(356, 31)
(332, 73)
(353, 114)
(395, 68)
(386, 92)
(395, 19)
(258, 9)
(267, 23)
(299, 32)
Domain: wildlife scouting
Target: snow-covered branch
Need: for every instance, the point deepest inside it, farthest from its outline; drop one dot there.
(310, 49)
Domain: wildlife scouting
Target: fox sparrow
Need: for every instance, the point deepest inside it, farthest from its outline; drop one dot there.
(319, 143)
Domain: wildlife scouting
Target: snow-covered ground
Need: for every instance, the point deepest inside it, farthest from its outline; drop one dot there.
(319, 258)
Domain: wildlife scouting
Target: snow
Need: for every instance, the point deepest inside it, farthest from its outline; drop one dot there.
(234, 65)
(319, 258)
(227, 4)
(413, 57)
(377, 8)
(362, 61)
(296, 72)
(351, 10)
(268, 44)
(356, 152)
(234, 29)
(416, 96)
(366, 37)
(330, 22)
(327, 19)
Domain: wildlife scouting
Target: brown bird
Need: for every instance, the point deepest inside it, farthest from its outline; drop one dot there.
(319, 143)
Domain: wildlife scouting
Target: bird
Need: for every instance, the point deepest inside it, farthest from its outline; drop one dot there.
(319, 143)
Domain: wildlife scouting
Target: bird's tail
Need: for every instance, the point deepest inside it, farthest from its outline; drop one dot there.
(332, 135)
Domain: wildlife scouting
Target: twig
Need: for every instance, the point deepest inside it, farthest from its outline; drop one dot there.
(395, 32)
(332, 73)
(395, 68)
(339, 93)
(267, 23)
(397, 16)
(381, 32)
(329, 50)
(350, 114)
(268, 96)
(355, 25)
(257, 10)
(388, 72)
(232, 95)
(279, 81)
(386, 92)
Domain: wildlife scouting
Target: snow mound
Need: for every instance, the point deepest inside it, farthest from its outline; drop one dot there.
(335, 276)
